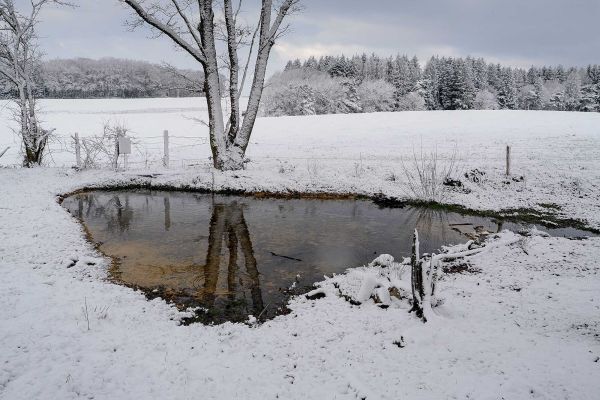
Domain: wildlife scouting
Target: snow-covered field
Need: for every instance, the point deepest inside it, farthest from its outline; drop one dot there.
(557, 153)
(525, 327)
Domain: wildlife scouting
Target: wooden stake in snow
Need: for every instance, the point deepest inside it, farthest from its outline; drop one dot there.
(166, 149)
(116, 156)
(77, 149)
(507, 160)
(4, 151)
(418, 291)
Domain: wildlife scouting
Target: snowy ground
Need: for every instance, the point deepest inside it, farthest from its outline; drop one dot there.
(525, 327)
(557, 153)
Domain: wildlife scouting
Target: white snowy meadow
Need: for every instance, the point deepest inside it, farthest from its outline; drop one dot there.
(556, 153)
(524, 326)
(178, 308)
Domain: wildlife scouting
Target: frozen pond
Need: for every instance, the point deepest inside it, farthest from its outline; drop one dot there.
(236, 256)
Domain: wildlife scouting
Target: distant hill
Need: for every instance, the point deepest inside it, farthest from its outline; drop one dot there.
(113, 77)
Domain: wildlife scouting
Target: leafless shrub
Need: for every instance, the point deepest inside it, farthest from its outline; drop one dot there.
(85, 312)
(101, 312)
(426, 172)
(358, 168)
(313, 167)
(100, 150)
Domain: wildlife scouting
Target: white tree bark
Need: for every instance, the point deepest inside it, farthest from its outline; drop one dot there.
(229, 137)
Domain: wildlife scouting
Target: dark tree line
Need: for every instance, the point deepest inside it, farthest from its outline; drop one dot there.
(112, 77)
(373, 83)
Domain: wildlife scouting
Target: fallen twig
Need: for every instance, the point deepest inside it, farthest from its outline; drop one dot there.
(286, 257)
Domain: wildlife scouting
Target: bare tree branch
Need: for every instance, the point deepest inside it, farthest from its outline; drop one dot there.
(152, 20)
(188, 24)
(248, 61)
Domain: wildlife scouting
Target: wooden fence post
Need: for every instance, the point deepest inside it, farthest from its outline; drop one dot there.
(116, 156)
(507, 160)
(418, 291)
(166, 149)
(77, 150)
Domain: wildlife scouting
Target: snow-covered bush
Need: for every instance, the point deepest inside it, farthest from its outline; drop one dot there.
(313, 167)
(303, 92)
(412, 101)
(376, 95)
(485, 100)
(555, 92)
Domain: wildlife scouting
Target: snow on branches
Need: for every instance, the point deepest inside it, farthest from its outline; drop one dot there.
(19, 61)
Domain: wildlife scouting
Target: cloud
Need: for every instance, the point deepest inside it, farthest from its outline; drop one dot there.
(514, 32)
(290, 51)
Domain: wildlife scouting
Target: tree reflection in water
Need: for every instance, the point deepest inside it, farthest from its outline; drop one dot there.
(228, 226)
(117, 214)
(227, 284)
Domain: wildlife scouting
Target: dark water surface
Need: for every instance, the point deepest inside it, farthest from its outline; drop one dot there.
(237, 255)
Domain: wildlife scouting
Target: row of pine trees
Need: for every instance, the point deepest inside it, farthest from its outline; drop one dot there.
(451, 83)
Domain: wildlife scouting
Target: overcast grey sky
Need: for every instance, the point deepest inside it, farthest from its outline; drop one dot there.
(514, 32)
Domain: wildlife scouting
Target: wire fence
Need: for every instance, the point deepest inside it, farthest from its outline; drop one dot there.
(146, 152)
(172, 150)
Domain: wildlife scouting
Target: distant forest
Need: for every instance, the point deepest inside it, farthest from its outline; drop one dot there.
(371, 83)
(111, 77)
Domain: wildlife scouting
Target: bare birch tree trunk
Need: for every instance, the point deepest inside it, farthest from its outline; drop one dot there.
(229, 137)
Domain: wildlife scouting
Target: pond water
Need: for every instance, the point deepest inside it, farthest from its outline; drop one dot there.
(236, 256)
